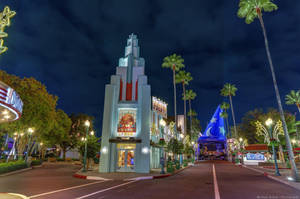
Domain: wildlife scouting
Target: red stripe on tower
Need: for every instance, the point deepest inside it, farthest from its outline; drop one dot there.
(129, 92)
(121, 90)
(136, 90)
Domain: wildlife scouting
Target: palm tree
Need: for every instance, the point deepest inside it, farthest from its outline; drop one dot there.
(175, 63)
(224, 114)
(228, 91)
(190, 95)
(293, 98)
(184, 78)
(251, 9)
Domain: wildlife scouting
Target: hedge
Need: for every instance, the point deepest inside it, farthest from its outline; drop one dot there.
(36, 162)
(12, 166)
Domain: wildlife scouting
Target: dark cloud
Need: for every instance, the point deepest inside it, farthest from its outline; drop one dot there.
(73, 47)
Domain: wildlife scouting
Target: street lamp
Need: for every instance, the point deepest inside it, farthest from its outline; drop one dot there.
(181, 136)
(30, 131)
(269, 123)
(87, 124)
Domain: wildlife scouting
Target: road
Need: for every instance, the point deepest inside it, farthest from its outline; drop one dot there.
(230, 182)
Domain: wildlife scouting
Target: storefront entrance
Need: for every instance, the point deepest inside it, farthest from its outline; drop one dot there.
(125, 157)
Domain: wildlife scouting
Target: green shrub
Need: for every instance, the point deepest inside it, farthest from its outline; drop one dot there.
(36, 162)
(170, 168)
(60, 159)
(12, 166)
(177, 164)
(75, 159)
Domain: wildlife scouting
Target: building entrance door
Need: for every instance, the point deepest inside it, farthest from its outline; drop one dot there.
(125, 157)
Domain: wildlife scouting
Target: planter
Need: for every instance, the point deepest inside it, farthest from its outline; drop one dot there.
(52, 160)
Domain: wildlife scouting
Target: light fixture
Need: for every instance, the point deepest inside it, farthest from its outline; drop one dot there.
(4, 112)
(269, 122)
(104, 150)
(162, 122)
(193, 143)
(21, 134)
(145, 150)
(6, 116)
(293, 141)
(290, 178)
(92, 133)
(87, 123)
(41, 144)
(181, 135)
(82, 139)
(30, 130)
(241, 139)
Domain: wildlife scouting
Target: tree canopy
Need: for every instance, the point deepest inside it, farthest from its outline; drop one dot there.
(39, 109)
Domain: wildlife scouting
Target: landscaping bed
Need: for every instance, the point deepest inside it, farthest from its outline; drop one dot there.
(12, 166)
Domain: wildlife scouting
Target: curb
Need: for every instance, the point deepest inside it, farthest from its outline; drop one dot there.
(89, 177)
(158, 176)
(14, 172)
(274, 178)
(274, 168)
(131, 179)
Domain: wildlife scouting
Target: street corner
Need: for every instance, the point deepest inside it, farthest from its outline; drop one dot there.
(87, 177)
(79, 176)
(165, 175)
(12, 196)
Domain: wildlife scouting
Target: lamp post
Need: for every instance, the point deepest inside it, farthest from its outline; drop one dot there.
(87, 124)
(241, 147)
(30, 131)
(162, 159)
(269, 123)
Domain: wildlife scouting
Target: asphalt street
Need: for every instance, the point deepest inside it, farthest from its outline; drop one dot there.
(231, 182)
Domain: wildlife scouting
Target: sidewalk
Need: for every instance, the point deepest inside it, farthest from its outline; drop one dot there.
(12, 196)
(95, 175)
(269, 172)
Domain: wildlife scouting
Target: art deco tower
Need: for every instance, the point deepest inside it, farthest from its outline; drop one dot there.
(126, 118)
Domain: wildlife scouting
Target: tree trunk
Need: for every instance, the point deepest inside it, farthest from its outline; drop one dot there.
(174, 85)
(286, 134)
(64, 153)
(183, 86)
(233, 118)
(227, 124)
(190, 107)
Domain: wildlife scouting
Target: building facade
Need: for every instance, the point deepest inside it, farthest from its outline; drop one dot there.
(158, 131)
(125, 145)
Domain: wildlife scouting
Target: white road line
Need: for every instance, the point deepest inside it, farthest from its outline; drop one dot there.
(216, 188)
(51, 192)
(19, 195)
(107, 189)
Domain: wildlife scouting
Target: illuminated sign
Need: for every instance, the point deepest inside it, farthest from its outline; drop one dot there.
(159, 106)
(255, 156)
(126, 123)
(10, 102)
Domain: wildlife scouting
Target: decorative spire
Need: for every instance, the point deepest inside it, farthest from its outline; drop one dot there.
(132, 53)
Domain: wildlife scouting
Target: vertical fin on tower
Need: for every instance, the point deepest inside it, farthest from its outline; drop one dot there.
(121, 90)
(136, 90)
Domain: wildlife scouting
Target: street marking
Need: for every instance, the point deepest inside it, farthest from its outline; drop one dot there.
(51, 192)
(16, 194)
(216, 188)
(107, 189)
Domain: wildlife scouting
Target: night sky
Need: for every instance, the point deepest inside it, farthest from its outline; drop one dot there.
(73, 47)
